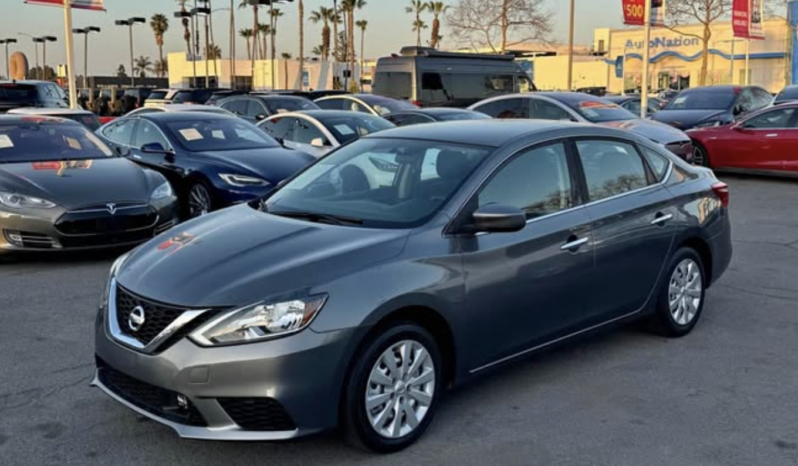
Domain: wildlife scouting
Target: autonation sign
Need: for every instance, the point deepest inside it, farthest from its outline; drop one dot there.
(665, 42)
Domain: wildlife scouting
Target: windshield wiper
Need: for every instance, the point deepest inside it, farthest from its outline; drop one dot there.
(317, 217)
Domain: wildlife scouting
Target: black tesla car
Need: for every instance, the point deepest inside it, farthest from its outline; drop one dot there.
(62, 188)
(432, 115)
(213, 161)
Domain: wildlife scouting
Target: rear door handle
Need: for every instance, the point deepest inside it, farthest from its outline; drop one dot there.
(773, 135)
(137, 157)
(662, 219)
(574, 245)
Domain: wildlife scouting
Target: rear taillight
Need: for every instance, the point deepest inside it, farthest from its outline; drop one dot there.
(722, 191)
(416, 103)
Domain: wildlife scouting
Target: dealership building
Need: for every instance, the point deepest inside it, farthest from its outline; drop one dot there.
(615, 59)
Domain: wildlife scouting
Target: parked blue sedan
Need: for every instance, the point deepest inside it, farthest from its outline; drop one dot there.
(212, 161)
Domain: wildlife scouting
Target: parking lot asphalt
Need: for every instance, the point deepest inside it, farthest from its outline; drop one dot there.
(725, 395)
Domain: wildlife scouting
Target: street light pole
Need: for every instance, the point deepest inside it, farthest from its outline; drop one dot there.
(646, 58)
(35, 49)
(86, 31)
(6, 42)
(183, 15)
(571, 51)
(44, 40)
(130, 22)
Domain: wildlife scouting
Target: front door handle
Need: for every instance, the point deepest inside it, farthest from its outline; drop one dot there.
(573, 244)
(662, 219)
(772, 135)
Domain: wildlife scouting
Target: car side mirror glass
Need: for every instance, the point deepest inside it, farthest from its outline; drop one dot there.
(122, 151)
(154, 148)
(497, 218)
(260, 117)
(318, 142)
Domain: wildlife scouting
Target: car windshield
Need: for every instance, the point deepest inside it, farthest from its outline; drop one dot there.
(384, 105)
(600, 111)
(788, 94)
(219, 134)
(157, 95)
(32, 141)
(355, 126)
(290, 104)
(379, 183)
(702, 100)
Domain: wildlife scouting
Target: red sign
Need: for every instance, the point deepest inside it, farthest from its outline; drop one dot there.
(634, 12)
(96, 5)
(741, 18)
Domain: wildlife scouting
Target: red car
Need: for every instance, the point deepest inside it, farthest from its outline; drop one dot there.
(764, 142)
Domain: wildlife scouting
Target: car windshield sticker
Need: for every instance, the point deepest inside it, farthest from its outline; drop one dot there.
(595, 105)
(73, 143)
(97, 142)
(191, 134)
(344, 130)
(282, 110)
(218, 134)
(679, 100)
(381, 110)
(6, 142)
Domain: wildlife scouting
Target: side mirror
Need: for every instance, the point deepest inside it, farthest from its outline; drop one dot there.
(155, 148)
(739, 126)
(260, 117)
(497, 218)
(122, 151)
(318, 142)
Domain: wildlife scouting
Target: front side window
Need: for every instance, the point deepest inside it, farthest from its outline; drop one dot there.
(505, 108)
(382, 183)
(121, 132)
(542, 110)
(237, 107)
(148, 133)
(221, 134)
(536, 181)
(332, 104)
(775, 119)
(289, 104)
(279, 128)
(255, 109)
(306, 132)
(611, 168)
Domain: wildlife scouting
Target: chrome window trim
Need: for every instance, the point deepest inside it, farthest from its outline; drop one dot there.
(118, 335)
(591, 203)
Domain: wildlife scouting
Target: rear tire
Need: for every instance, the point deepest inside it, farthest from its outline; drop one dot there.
(393, 389)
(681, 295)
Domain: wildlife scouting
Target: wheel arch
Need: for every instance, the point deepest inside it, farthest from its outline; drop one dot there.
(701, 247)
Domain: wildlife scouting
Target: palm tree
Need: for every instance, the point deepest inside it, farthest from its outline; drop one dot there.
(159, 24)
(437, 9)
(186, 24)
(142, 66)
(286, 57)
(265, 31)
(255, 31)
(318, 51)
(418, 26)
(362, 24)
(417, 7)
(275, 15)
(336, 18)
(323, 15)
(214, 52)
(349, 6)
(247, 35)
(161, 68)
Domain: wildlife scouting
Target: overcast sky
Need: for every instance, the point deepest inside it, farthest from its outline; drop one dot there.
(389, 27)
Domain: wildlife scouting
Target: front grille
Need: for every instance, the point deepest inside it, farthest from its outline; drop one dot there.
(156, 316)
(259, 414)
(98, 221)
(155, 400)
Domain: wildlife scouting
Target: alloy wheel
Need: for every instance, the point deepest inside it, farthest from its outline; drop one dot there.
(685, 292)
(199, 201)
(699, 157)
(400, 389)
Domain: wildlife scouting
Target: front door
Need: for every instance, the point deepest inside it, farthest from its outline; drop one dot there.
(525, 287)
(633, 230)
(147, 133)
(767, 140)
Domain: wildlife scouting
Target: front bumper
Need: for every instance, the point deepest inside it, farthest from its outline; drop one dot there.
(23, 232)
(298, 378)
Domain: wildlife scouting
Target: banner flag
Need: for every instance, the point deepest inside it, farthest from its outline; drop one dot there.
(96, 5)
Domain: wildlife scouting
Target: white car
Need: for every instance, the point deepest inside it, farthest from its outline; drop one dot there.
(84, 117)
(180, 108)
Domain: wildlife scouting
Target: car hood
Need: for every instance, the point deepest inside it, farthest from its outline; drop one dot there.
(73, 184)
(273, 165)
(240, 256)
(654, 130)
(686, 119)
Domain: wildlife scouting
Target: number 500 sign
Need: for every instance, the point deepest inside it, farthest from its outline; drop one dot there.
(634, 12)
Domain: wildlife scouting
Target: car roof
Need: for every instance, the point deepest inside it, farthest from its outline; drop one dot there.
(49, 111)
(716, 89)
(490, 133)
(322, 114)
(621, 98)
(434, 111)
(9, 119)
(189, 108)
(167, 117)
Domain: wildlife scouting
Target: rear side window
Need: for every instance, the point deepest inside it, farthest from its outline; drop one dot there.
(332, 104)
(408, 119)
(542, 110)
(157, 95)
(659, 163)
(237, 106)
(775, 119)
(611, 168)
(505, 108)
(536, 181)
(121, 132)
(278, 128)
(398, 85)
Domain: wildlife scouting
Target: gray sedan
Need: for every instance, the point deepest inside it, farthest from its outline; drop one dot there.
(348, 298)
(585, 108)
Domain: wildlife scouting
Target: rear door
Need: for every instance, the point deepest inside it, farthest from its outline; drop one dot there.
(632, 215)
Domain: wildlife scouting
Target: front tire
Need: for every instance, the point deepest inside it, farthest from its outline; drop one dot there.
(700, 156)
(393, 390)
(681, 295)
(199, 200)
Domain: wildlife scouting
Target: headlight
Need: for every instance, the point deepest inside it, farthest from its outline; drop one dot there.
(20, 201)
(114, 269)
(242, 181)
(260, 321)
(709, 124)
(162, 191)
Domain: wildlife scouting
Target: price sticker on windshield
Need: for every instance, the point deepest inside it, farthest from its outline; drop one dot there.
(6, 142)
(191, 134)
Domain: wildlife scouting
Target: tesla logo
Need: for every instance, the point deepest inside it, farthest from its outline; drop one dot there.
(111, 208)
